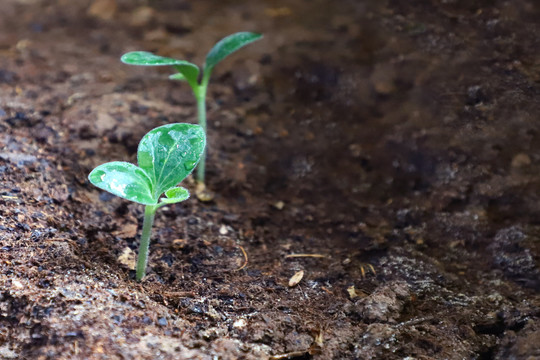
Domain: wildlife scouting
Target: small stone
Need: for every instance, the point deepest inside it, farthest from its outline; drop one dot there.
(203, 194)
(162, 322)
(223, 230)
(279, 205)
(521, 160)
(17, 284)
(240, 323)
(127, 258)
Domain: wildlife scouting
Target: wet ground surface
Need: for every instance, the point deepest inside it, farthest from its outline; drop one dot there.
(357, 135)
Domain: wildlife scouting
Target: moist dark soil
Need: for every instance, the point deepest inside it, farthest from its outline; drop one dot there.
(390, 150)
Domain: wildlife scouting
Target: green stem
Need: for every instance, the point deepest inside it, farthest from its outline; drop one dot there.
(142, 260)
(201, 114)
(200, 95)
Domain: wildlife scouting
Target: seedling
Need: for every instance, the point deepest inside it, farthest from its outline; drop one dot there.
(190, 73)
(166, 156)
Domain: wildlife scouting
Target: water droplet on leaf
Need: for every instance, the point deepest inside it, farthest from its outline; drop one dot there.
(189, 165)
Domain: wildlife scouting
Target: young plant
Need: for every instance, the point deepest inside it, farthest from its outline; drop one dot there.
(191, 74)
(166, 156)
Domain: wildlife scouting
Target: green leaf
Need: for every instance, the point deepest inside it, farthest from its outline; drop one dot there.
(228, 45)
(169, 153)
(144, 58)
(191, 74)
(175, 195)
(125, 180)
(177, 76)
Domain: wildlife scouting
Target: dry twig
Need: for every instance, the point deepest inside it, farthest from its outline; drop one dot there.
(305, 255)
(245, 258)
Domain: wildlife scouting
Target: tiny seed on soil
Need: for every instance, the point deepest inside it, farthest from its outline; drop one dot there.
(279, 205)
(296, 278)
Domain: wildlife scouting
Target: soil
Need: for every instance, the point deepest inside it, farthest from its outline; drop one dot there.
(390, 150)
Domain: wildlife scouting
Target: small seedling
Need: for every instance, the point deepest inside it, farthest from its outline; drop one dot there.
(190, 73)
(166, 156)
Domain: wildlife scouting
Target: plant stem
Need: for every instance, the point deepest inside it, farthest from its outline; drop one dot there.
(201, 114)
(200, 95)
(142, 260)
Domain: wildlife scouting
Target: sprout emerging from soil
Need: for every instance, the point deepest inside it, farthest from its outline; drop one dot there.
(166, 156)
(190, 73)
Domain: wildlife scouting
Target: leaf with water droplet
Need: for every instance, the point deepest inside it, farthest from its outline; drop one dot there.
(125, 180)
(169, 153)
(229, 45)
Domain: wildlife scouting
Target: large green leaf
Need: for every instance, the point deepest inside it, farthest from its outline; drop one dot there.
(169, 153)
(125, 180)
(144, 58)
(228, 45)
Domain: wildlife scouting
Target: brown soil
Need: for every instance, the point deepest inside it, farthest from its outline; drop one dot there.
(371, 133)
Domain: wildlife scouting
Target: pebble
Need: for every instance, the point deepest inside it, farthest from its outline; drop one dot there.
(279, 205)
(223, 230)
(521, 160)
(240, 323)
